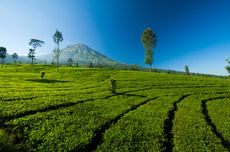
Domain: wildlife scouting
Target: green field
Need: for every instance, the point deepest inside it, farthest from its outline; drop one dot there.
(75, 110)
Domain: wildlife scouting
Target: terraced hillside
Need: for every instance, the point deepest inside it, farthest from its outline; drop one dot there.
(74, 110)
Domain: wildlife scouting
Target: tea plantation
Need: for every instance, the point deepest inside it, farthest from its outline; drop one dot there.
(75, 110)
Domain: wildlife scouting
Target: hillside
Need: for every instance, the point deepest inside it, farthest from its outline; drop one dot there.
(75, 110)
(21, 59)
(80, 54)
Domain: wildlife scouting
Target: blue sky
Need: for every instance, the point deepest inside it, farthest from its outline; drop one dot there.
(190, 32)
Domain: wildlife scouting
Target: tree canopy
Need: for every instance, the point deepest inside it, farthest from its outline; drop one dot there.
(149, 41)
(14, 55)
(57, 37)
(2, 52)
(36, 43)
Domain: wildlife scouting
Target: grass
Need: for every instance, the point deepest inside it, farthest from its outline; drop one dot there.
(75, 110)
(219, 113)
(6, 142)
(191, 131)
(140, 130)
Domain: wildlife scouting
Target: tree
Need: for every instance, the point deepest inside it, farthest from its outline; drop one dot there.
(228, 67)
(43, 74)
(90, 64)
(70, 62)
(31, 55)
(34, 43)
(134, 67)
(186, 70)
(2, 54)
(149, 40)
(57, 38)
(14, 57)
(99, 65)
(113, 85)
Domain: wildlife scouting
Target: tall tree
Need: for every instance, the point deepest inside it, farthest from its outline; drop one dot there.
(2, 54)
(186, 68)
(57, 37)
(31, 55)
(14, 57)
(34, 43)
(149, 41)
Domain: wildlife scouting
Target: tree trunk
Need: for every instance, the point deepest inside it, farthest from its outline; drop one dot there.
(2, 62)
(58, 59)
(57, 63)
(58, 51)
(32, 61)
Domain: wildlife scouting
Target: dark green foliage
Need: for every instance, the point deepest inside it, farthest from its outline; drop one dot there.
(90, 64)
(149, 40)
(125, 67)
(31, 55)
(2, 54)
(43, 74)
(70, 62)
(6, 143)
(57, 37)
(228, 67)
(186, 68)
(15, 57)
(99, 65)
(34, 43)
(135, 67)
(130, 67)
(149, 58)
(113, 85)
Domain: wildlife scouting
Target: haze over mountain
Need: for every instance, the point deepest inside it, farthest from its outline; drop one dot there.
(79, 53)
(22, 59)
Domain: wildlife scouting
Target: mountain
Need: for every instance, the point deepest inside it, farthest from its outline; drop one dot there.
(80, 54)
(21, 59)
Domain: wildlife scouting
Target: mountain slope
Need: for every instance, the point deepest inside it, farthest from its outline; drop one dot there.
(81, 54)
(21, 59)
